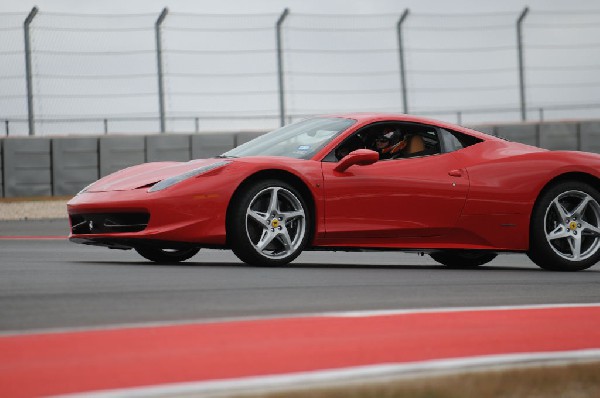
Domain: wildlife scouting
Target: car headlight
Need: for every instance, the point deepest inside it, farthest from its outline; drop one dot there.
(188, 174)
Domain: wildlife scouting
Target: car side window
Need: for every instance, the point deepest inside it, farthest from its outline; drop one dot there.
(392, 140)
(402, 140)
(453, 141)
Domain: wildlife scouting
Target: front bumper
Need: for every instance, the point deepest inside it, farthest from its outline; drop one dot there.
(188, 218)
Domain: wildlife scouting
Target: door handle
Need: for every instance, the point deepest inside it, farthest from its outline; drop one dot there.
(455, 173)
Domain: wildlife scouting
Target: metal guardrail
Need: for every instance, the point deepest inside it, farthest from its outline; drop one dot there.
(195, 124)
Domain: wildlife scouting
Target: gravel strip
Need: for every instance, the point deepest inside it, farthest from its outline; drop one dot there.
(33, 210)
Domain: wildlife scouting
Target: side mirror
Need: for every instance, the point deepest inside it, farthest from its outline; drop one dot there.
(361, 157)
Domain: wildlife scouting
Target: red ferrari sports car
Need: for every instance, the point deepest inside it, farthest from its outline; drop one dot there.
(355, 182)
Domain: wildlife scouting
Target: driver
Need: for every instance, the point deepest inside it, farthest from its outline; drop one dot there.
(389, 143)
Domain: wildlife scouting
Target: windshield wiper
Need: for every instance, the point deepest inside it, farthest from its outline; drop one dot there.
(225, 157)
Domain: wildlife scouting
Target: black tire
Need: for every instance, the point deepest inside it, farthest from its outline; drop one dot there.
(269, 223)
(463, 259)
(166, 255)
(565, 227)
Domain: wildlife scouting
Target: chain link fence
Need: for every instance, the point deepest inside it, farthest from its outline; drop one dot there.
(99, 74)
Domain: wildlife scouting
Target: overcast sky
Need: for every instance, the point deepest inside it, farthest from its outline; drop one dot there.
(226, 66)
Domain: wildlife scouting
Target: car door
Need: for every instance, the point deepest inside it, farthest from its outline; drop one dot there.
(394, 199)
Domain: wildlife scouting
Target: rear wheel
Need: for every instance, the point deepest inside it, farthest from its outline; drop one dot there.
(463, 258)
(565, 228)
(166, 255)
(270, 224)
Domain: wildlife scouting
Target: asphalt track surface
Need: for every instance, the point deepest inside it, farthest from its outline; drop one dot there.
(75, 318)
(46, 284)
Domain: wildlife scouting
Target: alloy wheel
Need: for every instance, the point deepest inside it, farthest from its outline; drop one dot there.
(275, 222)
(572, 225)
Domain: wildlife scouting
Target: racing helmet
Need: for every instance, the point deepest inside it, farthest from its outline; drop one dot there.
(397, 140)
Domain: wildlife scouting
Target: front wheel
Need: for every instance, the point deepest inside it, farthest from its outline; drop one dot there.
(269, 223)
(166, 255)
(463, 258)
(565, 228)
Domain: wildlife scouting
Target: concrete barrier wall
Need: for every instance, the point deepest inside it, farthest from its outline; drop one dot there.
(242, 138)
(63, 166)
(563, 136)
(210, 145)
(74, 164)
(168, 147)
(117, 153)
(27, 167)
(524, 133)
(590, 136)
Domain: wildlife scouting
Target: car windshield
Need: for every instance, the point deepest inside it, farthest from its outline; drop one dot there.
(301, 140)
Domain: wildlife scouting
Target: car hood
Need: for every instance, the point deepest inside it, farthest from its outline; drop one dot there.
(145, 175)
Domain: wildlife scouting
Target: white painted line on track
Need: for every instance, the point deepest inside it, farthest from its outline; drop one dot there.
(340, 314)
(372, 313)
(348, 376)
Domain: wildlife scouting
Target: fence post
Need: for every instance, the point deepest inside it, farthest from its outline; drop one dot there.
(197, 124)
(105, 126)
(161, 94)
(402, 65)
(520, 54)
(280, 66)
(6, 125)
(26, 25)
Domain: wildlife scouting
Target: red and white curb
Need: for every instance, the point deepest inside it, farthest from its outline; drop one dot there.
(220, 358)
